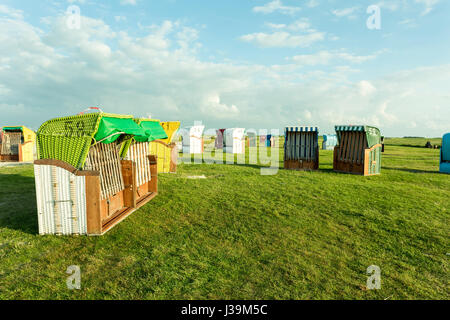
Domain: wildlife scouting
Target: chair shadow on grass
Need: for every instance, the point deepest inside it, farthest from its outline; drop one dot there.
(18, 203)
(409, 146)
(404, 145)
(280, 167)
(411, 170)
(248, 165)
(329, 167)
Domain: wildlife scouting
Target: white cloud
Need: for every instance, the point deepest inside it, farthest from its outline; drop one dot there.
(395, 5)
(214, 107)
(333, 37)
(366, 88)
(307, 115)
(276, 6)
(120, 18)
(128, 2)
(283, 39)
(188, 34)
(383, 113)
(388, 5)
(429, 5)
(320, 58)
(302, 24)
(408, 23)
(347, 12)
(275, 25)
(325, 57)
(46, 74)
(10, 12)
(312, 3)
(296, 34)
(186, 39)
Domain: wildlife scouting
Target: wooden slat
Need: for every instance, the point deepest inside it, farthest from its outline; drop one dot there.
(106, 181)
(109, 151)
(153, 183)
(173, 158)
(56, 208)
(308, 146)
(357, 148)
(105, 159)
(350, 147)
(344, 141)
(363, 147)
(93, 215)
(129, 177)
(75, 204)
(139, 154)
(118, 167)
(352, 150)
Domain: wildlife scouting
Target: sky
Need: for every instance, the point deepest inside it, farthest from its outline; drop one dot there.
(260, 64)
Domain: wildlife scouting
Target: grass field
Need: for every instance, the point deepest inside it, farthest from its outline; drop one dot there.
(241, 235)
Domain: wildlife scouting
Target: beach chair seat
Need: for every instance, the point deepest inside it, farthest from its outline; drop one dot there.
(358, 150)
(85, 184)
(301, 148)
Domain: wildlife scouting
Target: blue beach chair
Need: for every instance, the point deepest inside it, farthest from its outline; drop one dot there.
(445, 154)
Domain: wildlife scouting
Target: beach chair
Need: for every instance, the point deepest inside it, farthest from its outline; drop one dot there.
(329, 141)
(218, 143)
(358, 150)
(234, 140)
(301, 148)
(163, 146)
(444, 166)
(193, 142)
(84, 183)
(17, 144)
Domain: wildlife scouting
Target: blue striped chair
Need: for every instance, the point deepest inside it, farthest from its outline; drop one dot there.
(301, 148)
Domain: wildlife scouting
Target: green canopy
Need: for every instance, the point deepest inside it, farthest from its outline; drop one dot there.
(12, 128)
(373, 134)
(70, 138)
(153, 130)
(110, 129)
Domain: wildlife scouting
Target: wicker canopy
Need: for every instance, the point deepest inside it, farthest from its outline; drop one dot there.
(69, 138)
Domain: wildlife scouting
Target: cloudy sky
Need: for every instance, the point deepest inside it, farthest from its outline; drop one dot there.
(230, 63)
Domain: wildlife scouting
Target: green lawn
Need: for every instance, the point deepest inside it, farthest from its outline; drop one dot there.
(242, 235)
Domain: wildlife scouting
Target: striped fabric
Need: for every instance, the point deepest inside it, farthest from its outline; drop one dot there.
(105, 159)
(350, 128)
(139, 153)
(302, 129)
(301, 143)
